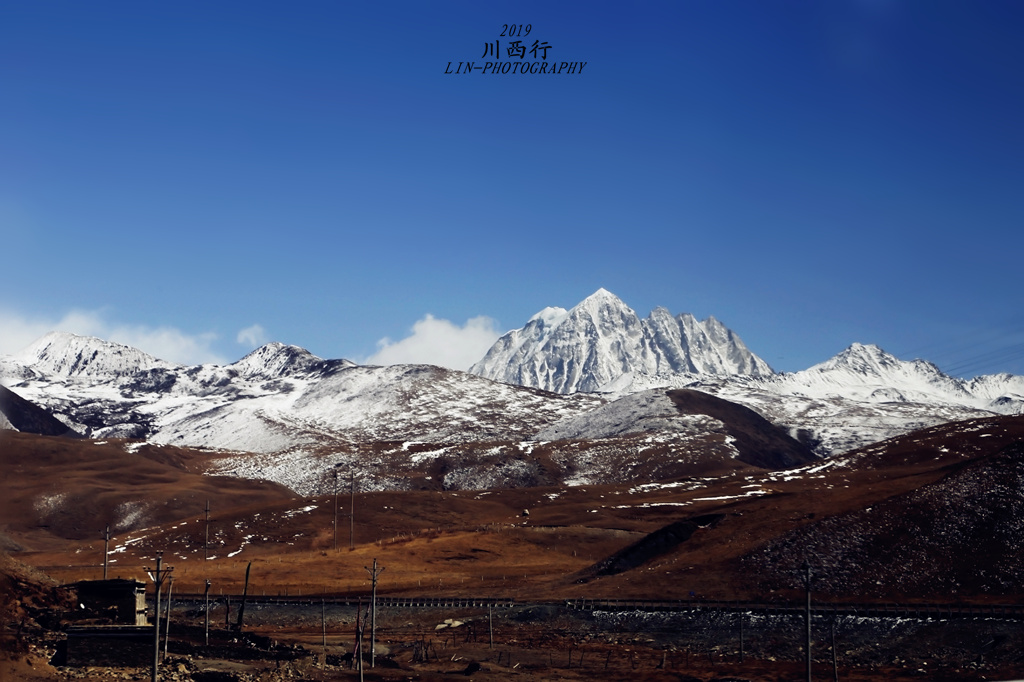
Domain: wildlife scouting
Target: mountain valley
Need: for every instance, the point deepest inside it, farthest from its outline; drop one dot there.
(695, 474)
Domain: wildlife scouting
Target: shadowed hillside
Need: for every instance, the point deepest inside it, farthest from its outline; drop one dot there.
(29, 417)
(759, 442)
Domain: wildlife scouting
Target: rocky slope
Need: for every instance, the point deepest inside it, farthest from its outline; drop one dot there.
(18, 414)
(915, 542)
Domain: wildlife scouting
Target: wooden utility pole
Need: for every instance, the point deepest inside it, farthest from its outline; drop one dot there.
(158, 576)
(356, 649)
(362, 663)
(106, 550)
(167, 616)
(807, 617)
(374, 573)
(357, 655)
(245, 595)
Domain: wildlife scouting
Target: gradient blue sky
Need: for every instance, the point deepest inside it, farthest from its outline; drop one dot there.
(813, 174)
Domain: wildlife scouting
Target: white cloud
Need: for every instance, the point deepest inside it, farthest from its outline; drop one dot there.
(167, 343)
(439, 342)
(253, 336)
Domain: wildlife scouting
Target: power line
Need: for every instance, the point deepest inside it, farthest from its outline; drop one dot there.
(987, 359)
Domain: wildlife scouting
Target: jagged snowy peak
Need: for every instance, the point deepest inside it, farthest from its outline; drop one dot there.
(276, 360)
(1004, 391)
(868, 362)
(601, 344)
(519, 343)
(71, 355)
(862, 373)
(861, 396)
(686, 344)
(868, 373)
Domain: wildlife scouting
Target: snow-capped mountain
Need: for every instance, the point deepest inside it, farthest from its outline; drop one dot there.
(866, 373)
(68, 355)
(283, 414)
(302, 414)
(276, 360)
(860, 396)
(602, 345)
(276, 397)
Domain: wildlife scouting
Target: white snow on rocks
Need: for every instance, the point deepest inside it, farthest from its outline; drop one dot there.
(650, 411)
(601, 343)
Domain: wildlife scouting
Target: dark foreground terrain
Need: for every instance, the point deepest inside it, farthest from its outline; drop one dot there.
(933, 517)
(435, 638)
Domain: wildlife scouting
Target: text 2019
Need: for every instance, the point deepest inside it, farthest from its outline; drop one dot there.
(511, 29)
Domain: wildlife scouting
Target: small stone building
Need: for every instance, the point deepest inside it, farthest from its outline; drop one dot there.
(111, 628)
(113, 602)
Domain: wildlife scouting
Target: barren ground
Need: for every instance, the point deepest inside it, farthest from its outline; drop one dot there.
(479, 544)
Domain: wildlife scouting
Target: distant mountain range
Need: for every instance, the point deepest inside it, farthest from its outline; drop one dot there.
(602, 345)
(861, 395)
(596, 375)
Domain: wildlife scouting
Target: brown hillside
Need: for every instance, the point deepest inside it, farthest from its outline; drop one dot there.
(893, 496)
(69, 488)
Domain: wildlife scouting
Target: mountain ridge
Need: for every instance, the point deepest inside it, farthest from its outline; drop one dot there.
(69, 355)
(601, 342)
(293, 408)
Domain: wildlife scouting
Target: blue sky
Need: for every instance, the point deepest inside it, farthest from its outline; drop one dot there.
(196, 178)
